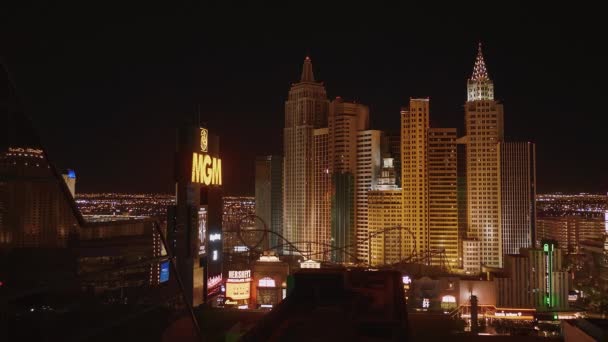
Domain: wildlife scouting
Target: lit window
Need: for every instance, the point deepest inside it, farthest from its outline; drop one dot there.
(448, 299)
(266, 282)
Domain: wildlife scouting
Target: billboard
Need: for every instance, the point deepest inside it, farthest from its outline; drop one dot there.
(164, 271)
(206, 167)
(202, 230)
(238, 284)
(237, 291)
(239, 276)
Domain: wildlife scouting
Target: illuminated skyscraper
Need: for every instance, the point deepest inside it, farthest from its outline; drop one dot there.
(269, 195)
(305, 110)
(345, 120)
(393, 144)
(321, 194)
(387, 244)
(484, 129)
(471, 256)
(518, 191)
(461, 188)
(443, 195)
(414, 172)
(369, 163)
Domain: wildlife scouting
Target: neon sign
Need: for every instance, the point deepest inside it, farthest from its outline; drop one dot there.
(548, 249)
(214, 281)
(202, 230)
(239, 274)
(206, 170)
(204, 139)
(25, 150)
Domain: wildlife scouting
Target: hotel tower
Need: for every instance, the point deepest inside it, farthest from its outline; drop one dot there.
(305, 110)
(484, 130)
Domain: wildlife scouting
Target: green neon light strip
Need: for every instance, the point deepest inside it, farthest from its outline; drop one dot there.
(550, 275)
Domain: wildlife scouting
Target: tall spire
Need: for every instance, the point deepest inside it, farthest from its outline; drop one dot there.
(480, 73)
(307, 75)
(479, 86)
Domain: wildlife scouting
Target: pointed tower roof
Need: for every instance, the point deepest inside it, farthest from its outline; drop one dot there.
(307, 74)
(480, 73)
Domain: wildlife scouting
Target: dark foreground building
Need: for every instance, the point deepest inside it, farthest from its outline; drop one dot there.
(57, 267)
(337, 305)
(43, 235)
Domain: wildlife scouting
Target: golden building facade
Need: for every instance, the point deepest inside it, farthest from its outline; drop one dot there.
(484, 129)
(443, 201)
(368, 168)
(414, 173)
(386, 245)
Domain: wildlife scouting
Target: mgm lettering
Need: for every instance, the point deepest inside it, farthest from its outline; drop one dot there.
(206, 170)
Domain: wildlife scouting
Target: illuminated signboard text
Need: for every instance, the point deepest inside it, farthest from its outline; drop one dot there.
(237, 291)
(214, 281)
(239, 274)
(24, 150)
(206, 170)
(507, 314)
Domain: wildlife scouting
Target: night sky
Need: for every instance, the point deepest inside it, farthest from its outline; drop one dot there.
(106, 87)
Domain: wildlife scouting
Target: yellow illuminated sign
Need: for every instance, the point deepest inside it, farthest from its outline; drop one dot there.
(206, 170)
(237, 291)
(24, 150)
(204, 139)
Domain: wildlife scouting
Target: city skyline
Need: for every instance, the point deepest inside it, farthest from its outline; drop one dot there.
(409, 173)
(147, 89)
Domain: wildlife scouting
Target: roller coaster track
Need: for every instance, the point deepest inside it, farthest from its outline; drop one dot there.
(303, 248)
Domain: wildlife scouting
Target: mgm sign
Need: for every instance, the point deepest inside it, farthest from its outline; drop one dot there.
(206, 170)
